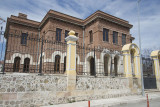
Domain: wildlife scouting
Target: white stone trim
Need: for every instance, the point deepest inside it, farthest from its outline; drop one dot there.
(71, 38)
(69, 57)
(22, 57)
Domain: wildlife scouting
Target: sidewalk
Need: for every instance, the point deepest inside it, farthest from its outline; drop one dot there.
(110, 102)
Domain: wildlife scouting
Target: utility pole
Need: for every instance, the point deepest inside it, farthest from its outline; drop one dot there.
(142, 82)
(2, 33)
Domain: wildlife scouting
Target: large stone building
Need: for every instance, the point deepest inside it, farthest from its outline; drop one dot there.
(100, 30)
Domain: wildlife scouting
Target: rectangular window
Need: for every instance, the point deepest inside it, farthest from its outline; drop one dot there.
(105, 35)
(115, 37)
(91, 36)
(58, 34)
(123, 39)
(24, 38)
(76, 34)
(66, 34)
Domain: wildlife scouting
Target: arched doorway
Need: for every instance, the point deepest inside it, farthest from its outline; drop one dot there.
(16, 65)
(57, 64)
(106, 64)
(116, 65)
(92, 66)
(132, 52)
(26, 65)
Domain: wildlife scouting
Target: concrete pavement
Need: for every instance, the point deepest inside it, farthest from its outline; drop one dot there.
(112, 101)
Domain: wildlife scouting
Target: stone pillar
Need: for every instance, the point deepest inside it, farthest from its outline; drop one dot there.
(71, 61)
(155, 55)
(127, 64)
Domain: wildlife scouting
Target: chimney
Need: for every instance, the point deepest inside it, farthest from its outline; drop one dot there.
(21, 15)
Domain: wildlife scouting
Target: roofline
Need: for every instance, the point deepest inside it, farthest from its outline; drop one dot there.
(87, 20)
(80, 22)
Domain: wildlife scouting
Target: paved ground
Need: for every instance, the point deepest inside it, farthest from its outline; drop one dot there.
(152, 103)
(127, 101)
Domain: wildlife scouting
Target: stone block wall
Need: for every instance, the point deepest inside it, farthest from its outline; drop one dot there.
(32, 90)
(102, 83)
(19, 90)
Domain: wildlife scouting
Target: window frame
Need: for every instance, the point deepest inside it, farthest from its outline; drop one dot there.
(66, 34)
(115, 37)
(105, 35)
(24, 38)
(58, 34)
(91, 36)
(123, 35)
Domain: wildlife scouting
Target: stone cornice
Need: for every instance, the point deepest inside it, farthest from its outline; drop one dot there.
(71, 38)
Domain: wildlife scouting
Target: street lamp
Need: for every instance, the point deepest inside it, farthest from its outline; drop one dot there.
(142, 82)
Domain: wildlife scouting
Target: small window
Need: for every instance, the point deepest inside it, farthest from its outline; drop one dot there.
(123, 39)
(24, 38)
(115, 37)
(58, 34)
(76, 34)
(130, 40)
(105, 34)
(66, 34)
(91, 36)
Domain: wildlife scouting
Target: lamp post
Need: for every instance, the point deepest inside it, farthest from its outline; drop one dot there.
(142, 82)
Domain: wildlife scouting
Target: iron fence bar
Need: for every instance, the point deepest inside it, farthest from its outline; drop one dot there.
(94, 63)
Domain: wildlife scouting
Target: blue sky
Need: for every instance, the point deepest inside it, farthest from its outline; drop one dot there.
(125, 9)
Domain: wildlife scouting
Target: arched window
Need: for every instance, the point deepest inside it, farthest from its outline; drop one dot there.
(116, 65)
(57, 63)
(92, 66)
(132, 61)
(106, 62)
(64, 63)
(16, 65)
(26, 65)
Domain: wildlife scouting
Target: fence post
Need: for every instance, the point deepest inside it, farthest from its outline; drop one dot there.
(40, 66)
(71, 60)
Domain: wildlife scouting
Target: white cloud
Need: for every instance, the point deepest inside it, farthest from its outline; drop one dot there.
(125, 9)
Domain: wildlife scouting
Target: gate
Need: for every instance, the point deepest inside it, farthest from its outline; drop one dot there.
(148, 71)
